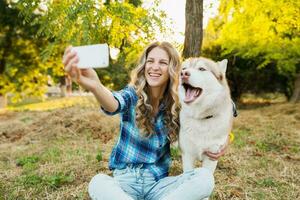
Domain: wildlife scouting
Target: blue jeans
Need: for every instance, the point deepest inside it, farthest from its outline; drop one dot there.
(136, 183)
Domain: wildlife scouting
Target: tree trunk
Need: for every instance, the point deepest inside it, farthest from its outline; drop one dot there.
(193, 28)
(296, 93)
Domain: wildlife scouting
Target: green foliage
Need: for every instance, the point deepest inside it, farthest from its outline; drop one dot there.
(264, 28)
(256, 35)
(135, 2)
(243, 75)
(124, 26)
(21, 71)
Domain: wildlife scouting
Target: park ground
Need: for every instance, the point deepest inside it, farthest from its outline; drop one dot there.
(51, 150)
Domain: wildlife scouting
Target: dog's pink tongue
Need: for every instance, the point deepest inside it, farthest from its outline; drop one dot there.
(190, 95)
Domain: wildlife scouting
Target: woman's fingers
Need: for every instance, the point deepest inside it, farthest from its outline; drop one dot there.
(74, 73)
(215, 156)
(71, 60)
(78, 74)
(68, 49)
(66, 55)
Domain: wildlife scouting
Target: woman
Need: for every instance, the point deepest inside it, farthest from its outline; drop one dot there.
(148, 108)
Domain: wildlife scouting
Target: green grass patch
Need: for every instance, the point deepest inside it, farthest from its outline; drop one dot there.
(29, 167)
(27, 160)
(35, 180)
(30, 180)
(295, 149)
(267, 146)
(272, 142)
(58, 179)
(240, 137)
(267, 182)
(99, 156)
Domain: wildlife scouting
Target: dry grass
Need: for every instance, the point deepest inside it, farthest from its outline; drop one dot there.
(263, 162)
(52, 154)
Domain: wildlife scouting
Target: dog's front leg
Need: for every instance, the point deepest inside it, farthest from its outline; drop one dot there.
(187, 161)
(209, 164)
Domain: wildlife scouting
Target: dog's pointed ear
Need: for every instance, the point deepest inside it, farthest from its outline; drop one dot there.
(223, 65)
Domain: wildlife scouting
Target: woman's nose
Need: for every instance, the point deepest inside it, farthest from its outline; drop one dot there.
(155, 65)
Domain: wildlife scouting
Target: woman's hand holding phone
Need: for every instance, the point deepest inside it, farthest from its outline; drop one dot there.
(87, 78)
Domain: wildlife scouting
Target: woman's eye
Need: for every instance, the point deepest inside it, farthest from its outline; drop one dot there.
(149, 61)
(164, 63)
(202, 69)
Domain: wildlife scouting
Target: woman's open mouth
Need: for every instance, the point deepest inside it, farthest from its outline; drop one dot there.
(191, 93)
(154, 75)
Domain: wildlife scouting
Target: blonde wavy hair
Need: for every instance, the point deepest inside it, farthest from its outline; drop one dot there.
(144, 110)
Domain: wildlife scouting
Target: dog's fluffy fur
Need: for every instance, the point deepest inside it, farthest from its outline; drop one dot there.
(206, 114)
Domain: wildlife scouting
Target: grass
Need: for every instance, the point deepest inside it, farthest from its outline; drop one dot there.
(52, 149)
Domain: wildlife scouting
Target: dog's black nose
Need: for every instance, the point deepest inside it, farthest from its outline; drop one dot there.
(185, 73)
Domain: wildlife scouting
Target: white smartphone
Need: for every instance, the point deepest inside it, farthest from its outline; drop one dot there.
(92, 56)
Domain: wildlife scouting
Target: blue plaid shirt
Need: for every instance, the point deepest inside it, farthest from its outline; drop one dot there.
(131, 148)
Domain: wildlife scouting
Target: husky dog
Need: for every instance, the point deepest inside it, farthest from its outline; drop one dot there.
(207, 111)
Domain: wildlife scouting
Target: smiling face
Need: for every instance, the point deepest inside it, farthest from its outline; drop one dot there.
(156, 68)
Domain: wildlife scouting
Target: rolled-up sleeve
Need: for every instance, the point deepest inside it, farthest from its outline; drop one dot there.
(125, 97)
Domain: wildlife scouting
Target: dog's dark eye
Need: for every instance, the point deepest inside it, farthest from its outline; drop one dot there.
(202, 69)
